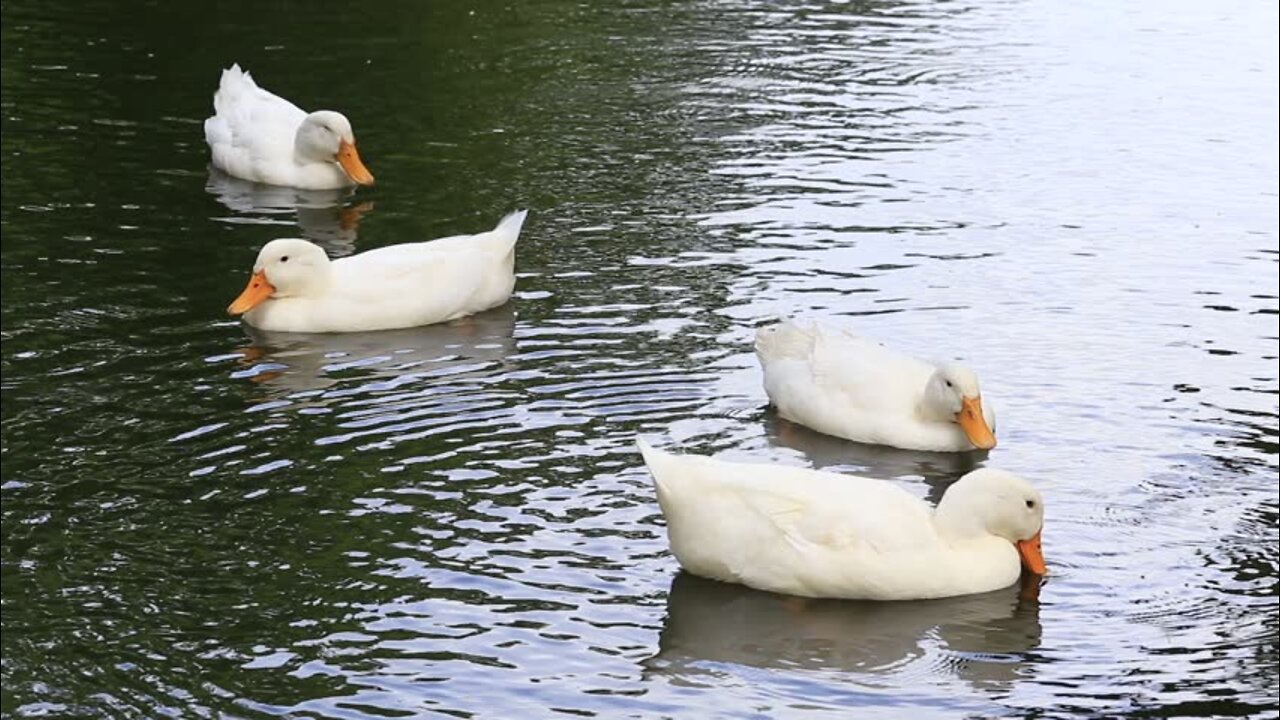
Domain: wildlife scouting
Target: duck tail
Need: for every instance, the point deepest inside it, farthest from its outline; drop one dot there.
(647, 451)
(234, 74)
(785, 339)
(657, 461)
(507, 231)
(232, 85)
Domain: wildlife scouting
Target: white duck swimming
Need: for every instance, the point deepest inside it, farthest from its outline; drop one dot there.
(259, 136)
(295, 287)
(820, 534)
(840, 384)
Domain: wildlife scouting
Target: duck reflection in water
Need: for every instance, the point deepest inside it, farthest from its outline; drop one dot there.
(295, 362)
(825, 452)
(983, 637)
(321, 215)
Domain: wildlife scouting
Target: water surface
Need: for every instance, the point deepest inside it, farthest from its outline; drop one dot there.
(203, 520)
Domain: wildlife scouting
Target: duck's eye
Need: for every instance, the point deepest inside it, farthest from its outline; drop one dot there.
(948, 382)
(284, 258)
(1031, 504)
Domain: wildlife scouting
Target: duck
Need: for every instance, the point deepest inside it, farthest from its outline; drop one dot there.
(296, 287)
(819, 534)
(257, 135)
(838, 383)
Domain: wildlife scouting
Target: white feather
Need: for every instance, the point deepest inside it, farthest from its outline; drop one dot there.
(819, 534)
(396, 286)
(252, 136)
(841, 384)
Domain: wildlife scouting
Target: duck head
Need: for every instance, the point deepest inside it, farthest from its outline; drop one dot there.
(325, 136)
(997, 503)
(953, 395)
(286, 267)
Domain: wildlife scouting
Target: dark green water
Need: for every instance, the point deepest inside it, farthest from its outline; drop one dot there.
(199, 521)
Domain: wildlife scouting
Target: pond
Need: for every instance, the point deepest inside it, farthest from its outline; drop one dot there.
(203, 520)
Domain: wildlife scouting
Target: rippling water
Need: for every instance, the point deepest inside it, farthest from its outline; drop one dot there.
(202, 520)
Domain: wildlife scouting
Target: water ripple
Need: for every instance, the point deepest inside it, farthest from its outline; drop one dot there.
(202, 519)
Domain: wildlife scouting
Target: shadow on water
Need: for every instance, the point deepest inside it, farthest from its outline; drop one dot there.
(323, 216)
(450, 521)
(981, 638)
(287, 363)
(827, 452)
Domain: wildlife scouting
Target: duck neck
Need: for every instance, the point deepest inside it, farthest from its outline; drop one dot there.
(318, 284)
(957, 519)
(932, 404)
(308, 146)
(313, 284)
(929, 411)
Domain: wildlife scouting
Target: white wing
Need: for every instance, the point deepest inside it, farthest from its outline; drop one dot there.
(252, 129)
(784, 528)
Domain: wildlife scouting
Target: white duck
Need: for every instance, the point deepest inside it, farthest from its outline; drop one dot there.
(840, 384)
(295, 287)
(820, 534)
(259, 136)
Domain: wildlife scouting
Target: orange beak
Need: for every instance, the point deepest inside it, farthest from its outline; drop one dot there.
(349, 159)
(255, 293)
(349, 217)
(1032, 558)
(974, 424)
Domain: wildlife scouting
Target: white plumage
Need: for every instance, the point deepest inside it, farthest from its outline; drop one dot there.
(840, 384)
(820, 534)
(297, 288)
(257, 135)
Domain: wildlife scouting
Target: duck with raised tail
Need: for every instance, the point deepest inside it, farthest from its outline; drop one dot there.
(838, 383)
(826, 535)
(257, 135)
(295, 287)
